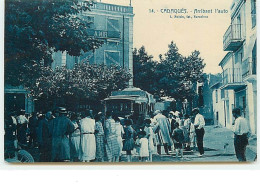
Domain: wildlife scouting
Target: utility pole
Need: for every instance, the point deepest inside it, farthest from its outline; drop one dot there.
(123, 41)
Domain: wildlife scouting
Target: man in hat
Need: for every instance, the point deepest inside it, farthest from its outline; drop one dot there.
(199, 124)
(62, 127)
(162, 129)
(44, 134)
(22, 122)
(241, 131)
(33, 124)
(172, 120)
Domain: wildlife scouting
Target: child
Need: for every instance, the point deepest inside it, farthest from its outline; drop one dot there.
(143, 143)
(178, 139)
(186, 134)
(192, 137)
(187, 125)
(150, 136)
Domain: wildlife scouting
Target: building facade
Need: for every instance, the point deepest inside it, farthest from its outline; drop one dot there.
(239, 65)
(223, 99)
(114, 25)
(203, 98)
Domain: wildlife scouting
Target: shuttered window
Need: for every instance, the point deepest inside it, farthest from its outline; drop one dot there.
(112, 25)
(112, 57)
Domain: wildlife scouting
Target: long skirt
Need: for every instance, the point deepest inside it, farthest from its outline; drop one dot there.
(74, 147)
(120, 144)
(112, 147)
(100, 147)
(87, 147)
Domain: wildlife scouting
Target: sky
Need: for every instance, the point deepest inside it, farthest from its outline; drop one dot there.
(156, 30)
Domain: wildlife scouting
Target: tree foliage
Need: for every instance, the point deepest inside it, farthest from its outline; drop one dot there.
(144, 70)
(174, 75)
(83, 84)
(35, 29)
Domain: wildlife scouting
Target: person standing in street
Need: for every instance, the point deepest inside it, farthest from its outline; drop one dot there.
(111, 144)
(199, 124)
(150, 136)
(62, 128)
(119, 133)
(241, 132)
(100, 146)
(22, 123)
(128, 144)
(88, 140)
(172, 121)
(178, 140)
(75, 139)
(162, 128)
(33, 124)
(45, 144)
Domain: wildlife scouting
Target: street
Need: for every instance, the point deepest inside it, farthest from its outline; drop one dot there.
(214, 141)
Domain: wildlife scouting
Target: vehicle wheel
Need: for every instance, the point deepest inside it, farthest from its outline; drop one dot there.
(25, 157)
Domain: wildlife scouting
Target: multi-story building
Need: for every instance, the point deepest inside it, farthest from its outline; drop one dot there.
(223, 98)
(114, 25)
(239, 65)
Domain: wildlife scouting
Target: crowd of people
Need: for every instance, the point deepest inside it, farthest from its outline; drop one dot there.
(63, 136)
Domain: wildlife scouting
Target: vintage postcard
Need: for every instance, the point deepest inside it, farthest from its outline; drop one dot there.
(130, 81)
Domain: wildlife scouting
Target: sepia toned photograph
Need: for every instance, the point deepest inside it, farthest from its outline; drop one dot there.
(130, 81)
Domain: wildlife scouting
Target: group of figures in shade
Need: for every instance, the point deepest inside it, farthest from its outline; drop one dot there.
(81, 137)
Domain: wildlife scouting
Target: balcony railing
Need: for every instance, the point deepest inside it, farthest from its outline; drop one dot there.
(249, 67)
(232, 78)
(112, 7)
(232, 38)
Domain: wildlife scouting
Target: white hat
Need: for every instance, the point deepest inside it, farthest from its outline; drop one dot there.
(171, 112)
(157, 112)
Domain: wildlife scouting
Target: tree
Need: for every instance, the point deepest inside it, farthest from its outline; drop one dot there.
(35, 29)
(83, 84)
(144, 70)
(178, 74)
(173, 76)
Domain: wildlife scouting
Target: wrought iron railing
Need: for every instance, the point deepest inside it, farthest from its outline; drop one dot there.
(232, 75)
(249, 67)
(233, 33)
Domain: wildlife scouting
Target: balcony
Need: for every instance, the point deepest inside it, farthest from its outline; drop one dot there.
(112, 7)
(232, 79)
(232, 39)
(249, 69)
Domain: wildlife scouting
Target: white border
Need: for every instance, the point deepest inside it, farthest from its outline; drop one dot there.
(158, 174)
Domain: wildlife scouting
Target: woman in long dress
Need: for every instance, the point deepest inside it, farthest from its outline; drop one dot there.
(119, 134)
(88, 140)
(128, 145)
(150, 136)
(111, 144)
(74, 139)
(100, 146)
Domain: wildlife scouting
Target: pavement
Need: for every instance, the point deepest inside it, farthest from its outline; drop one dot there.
(218, 146)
